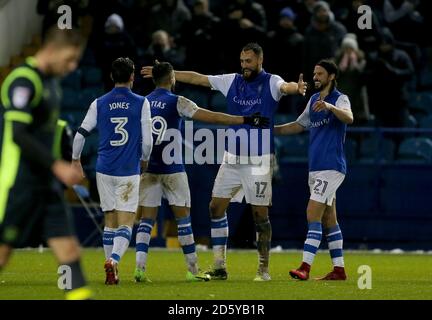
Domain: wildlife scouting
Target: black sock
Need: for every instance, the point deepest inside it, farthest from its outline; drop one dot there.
(78, 280)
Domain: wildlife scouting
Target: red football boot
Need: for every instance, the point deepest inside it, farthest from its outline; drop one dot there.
(111, 273)
(338, 273)
(301, 273)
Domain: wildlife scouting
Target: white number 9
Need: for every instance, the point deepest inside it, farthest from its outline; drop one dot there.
(160, 131)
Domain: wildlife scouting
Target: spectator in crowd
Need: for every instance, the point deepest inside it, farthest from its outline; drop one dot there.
(161, 49)
(115, 42)
(48, 8)
(368, 39)
(169, 15)
(286, 44)
(351, 62)
(323, 36)
(304, 10)
(404, 20)
(245, 21)
(389, 72)
(202, 38)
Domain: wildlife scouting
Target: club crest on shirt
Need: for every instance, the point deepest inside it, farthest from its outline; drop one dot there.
(21, 97)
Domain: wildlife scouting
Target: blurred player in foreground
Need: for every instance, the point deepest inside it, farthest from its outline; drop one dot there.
(170, 180)
(326, 116)
(32, 207)
(125, 140)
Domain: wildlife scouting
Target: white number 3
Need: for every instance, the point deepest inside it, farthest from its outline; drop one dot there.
(121, 122)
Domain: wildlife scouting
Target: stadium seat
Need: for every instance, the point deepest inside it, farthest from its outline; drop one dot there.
(418, 150)
(73, 117)
(350, 150)
(91, 76)
(88, 95)
(293, 148)
(200, 97)
(284, 118)
(72, 80)
(426, 122)
(410, 121)
(88, 58)
(375, 149)
(69, 98)
(421, 101)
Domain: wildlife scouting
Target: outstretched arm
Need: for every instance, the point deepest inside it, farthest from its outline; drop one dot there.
(255, 120)
(288, 128)
(216, 117)
(294, 88)
(190, 77)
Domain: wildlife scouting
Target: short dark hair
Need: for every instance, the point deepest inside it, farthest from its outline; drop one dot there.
(63, 37)
(122, 69)
(255, 47)
(161, 72)
(330, 66)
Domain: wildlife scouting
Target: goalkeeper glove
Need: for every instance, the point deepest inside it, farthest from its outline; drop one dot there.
(256, 120)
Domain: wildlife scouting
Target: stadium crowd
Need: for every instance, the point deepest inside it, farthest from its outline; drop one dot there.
(379, 66)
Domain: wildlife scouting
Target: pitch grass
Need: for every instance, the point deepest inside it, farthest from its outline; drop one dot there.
(32, 275)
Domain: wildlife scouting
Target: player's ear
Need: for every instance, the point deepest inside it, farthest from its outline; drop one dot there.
(111, 77)
(260, 59)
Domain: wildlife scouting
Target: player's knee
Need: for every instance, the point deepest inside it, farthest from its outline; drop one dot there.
(216, 209)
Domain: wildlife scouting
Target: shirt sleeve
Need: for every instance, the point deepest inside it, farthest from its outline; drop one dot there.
(222, 82)
(304, 118)
(146, 130)
(19, 103)
(343, 103)
(275, 87)
(90, 120)
(88, 124)
(185, 107)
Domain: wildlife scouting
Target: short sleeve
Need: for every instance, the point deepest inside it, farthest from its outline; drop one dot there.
(275, 87)
(222, 82)
(304, 118)
(343, 102)
(185, 107)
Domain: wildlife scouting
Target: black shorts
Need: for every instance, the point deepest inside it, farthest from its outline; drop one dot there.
(33, 215)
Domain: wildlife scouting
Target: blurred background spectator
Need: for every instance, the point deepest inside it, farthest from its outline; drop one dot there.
(352, 63)
(390, 71)
(322, 37)
(114, 42)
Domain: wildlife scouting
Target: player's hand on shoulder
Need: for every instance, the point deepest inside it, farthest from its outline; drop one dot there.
(66, 173)
(256, 120)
